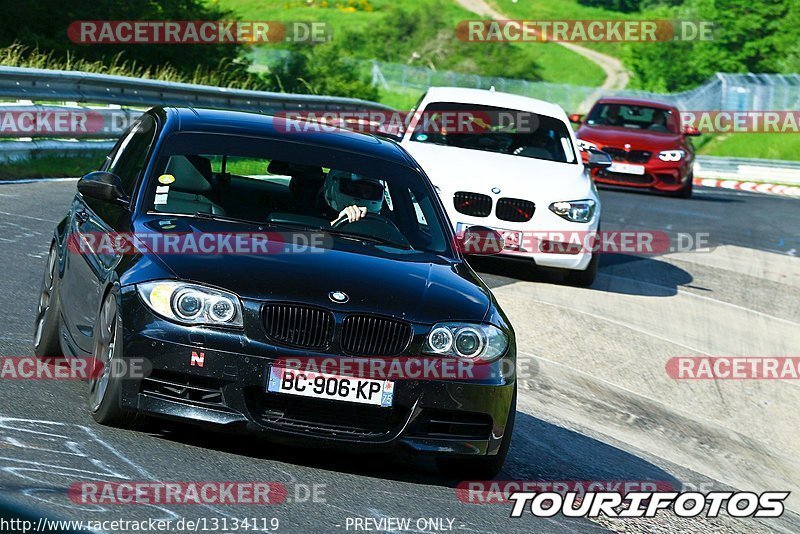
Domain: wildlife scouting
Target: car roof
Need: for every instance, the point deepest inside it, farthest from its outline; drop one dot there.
(189, 119)
(463, 95)
(635, 102)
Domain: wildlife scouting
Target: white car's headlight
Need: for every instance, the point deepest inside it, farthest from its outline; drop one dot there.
(191, 304)
(580, 211)
(671, 155)
(475, 341)
(585, 146)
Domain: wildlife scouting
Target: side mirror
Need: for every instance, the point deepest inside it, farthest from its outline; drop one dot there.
(691, 131)
(599, 159)
(389, 131)
(577, 118)
(480, 240)
(102, 185)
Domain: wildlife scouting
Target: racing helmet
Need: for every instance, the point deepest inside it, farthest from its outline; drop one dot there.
(344, 189)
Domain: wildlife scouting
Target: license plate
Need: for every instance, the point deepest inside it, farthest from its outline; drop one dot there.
(511, 238)
(626, 168)
(333, 387)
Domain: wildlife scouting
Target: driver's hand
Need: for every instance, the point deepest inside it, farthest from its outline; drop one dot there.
(351, 213)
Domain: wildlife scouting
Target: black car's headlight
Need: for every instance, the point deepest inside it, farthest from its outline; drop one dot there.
(475, 341)
(191, 303)
(580, 211)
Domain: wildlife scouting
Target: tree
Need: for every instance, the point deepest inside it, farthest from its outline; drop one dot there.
(320, 70)
(747, 37)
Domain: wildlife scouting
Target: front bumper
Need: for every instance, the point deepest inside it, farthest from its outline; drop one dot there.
(659, 175)
(547, 239)
(228, 392)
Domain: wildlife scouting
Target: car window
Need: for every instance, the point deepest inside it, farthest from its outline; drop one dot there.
(129, 159)
(634, 117)
(494, 129)
(273, 182)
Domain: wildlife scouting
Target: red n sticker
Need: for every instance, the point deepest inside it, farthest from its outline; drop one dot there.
(197, 359)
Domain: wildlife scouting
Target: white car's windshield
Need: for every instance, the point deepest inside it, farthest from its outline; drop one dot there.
(494, 129)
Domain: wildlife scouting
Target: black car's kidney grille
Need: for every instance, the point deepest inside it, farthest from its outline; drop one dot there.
(514, 209)
(299, 326)
(365, 335)
(631, 156)
(473, 204)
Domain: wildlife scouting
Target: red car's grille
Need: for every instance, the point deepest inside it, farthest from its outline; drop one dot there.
(630, 156)
(473, 204)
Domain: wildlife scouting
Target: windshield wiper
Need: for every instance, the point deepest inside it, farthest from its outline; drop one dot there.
(369, 239)
(217, 217)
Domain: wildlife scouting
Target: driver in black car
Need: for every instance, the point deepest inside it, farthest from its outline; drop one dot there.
(349, 197)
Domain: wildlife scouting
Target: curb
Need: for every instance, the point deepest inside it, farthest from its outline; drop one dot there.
(752, 187)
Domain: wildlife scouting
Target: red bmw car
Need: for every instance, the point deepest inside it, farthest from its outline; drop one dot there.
(645, 139)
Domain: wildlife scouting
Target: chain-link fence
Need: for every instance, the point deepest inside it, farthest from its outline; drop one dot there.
(740, 92)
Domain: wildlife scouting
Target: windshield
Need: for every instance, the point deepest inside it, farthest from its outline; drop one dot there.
(301, 186)
(493, 129)
(635, 117)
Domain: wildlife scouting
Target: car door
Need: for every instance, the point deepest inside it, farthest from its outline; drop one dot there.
(90, 261)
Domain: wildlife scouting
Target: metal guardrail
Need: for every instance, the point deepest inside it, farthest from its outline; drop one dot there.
(64, 121)
(69, 86)
(16, 150)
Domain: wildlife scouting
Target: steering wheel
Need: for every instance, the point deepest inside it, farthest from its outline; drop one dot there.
(388, 230)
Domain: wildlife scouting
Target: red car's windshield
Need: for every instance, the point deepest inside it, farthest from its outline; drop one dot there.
(632, 116)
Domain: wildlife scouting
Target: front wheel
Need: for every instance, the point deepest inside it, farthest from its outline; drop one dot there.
(686, 190)
(105, 384)
(45, 337)
(483, 467)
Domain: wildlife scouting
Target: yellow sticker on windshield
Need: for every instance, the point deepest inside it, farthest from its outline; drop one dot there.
(166, 179)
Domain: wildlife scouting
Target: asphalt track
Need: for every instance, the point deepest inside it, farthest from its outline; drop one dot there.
(595, 401)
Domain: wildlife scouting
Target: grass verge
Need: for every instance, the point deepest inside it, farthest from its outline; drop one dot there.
(51, 166)
(753, 145)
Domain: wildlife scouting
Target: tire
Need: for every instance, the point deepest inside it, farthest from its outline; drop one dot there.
(45, 335)
(483, 467)
(685, 191)
(104, 386)
(586, 277)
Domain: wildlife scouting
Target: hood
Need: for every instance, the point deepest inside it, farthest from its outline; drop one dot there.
(451, 169)
(638, 139)
(418, 287)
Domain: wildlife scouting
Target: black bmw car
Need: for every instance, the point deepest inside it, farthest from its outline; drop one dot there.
(376, 274)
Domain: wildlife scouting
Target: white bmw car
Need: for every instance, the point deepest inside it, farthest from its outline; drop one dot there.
(511, 163)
